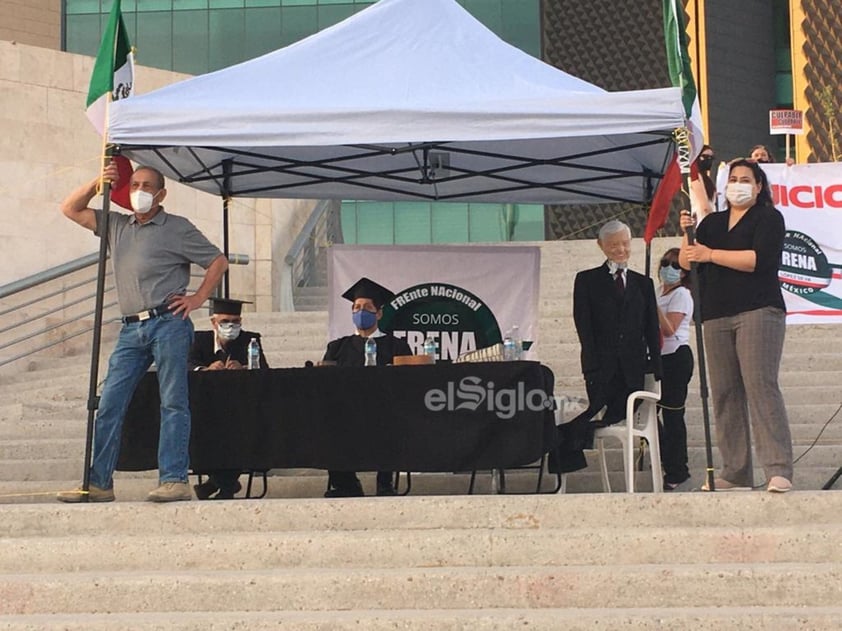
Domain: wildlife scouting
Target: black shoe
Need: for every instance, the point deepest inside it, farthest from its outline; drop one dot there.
(672, 484)
(386, 490)
(205, 489)
(345, 492)
(228, 493)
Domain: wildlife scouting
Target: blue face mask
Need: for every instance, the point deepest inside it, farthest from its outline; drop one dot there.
(670, 275)
(363, 319)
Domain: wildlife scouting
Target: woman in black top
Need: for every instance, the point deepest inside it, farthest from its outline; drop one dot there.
(738, 252)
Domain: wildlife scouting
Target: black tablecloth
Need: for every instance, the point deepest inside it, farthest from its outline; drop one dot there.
(355, 419)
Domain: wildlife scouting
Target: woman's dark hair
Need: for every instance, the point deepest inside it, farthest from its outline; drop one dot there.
(764, 197)
(770, 156)
(710, 187)
(671, 255)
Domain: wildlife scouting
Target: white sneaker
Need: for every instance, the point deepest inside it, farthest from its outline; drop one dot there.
(779, 484)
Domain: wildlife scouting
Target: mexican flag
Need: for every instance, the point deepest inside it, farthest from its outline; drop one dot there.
(681, 76)
(113, 75)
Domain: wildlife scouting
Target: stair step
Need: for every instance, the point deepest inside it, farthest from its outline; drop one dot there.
(791, 584)
(492, 619)
(468, 547)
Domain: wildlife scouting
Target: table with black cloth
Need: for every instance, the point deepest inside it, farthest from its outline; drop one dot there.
(348, 419)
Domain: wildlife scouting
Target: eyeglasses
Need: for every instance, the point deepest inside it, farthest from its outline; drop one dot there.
(672, 264)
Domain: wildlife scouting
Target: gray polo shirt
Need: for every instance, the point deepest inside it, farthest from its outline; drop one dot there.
(151, 261)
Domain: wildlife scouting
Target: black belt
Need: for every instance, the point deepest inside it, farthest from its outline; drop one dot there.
(154, 312)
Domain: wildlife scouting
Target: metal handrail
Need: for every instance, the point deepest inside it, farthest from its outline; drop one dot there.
(47, 275)
(58, 273)
(301, 262)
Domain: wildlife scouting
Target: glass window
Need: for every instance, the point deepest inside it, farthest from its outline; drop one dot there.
(227, 27)
(150, 5)
(348, 219)
(375, 224)
(298, 23)
(450, 222)
(187, 5)
(486, 223)
(263, 31)
(83, 6)
(412, 222)
(83, 34)
(191, 46)
(530, 224)
(153, 37)
(330, 14)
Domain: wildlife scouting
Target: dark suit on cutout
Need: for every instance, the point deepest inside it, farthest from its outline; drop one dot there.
(620, 340)
(202, 355)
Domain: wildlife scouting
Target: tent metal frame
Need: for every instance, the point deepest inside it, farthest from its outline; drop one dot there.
(245, 162)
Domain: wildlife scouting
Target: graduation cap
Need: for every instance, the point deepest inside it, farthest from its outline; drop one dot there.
(367, 288)
(227, 306)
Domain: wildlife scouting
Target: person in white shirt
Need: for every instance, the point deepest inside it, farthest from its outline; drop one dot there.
(675, 312)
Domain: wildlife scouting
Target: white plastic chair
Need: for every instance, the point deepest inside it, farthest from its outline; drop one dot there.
(644, 424)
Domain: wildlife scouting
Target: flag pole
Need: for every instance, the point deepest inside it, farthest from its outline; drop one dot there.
(102, 222)
(684, 149)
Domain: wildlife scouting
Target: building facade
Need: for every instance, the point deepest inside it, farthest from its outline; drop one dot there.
(749, 57)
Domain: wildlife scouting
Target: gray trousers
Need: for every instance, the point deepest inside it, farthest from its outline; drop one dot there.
(744, 357)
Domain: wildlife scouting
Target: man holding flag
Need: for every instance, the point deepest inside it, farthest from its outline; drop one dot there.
(151, 253)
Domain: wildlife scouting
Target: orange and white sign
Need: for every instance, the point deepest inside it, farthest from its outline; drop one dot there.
(786, 122)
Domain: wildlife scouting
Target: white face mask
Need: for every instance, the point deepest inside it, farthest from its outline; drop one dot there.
(739, 193)
(229, 331)
(141, 201)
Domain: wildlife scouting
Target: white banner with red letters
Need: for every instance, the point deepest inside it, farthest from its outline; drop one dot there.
(810, 198)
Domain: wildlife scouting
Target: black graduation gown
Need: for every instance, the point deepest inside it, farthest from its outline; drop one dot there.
(350, 350)
(202, 354)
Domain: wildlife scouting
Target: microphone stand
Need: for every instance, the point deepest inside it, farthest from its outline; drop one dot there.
(682, 137)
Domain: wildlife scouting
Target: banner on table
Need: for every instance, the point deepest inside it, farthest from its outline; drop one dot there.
(465, 297)
(810, 198)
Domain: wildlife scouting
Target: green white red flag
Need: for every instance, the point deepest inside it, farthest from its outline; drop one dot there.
(681, 76)
(113, 74)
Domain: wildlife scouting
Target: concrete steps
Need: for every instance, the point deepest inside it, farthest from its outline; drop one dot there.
(428, 562)
(575, 619)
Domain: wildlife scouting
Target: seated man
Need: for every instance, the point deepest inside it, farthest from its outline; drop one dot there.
(367, 298)
(223, 348)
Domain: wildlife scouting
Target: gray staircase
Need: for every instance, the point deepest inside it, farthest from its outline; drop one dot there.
(681, 561)
(437, 559)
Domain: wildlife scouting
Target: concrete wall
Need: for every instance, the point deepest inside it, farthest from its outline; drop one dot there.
(47, 147)
(32, 22)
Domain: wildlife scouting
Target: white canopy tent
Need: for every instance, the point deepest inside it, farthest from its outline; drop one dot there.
(406, 100)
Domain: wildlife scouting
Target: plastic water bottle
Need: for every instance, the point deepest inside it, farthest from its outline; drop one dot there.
(430, 348)
(370, 352)
(254, 354)
(517, 342)
(508, 348)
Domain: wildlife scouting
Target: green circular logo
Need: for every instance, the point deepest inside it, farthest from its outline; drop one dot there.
(455, 318)
(804, 268)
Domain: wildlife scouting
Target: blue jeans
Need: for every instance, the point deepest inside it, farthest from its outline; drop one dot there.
(165, 340)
